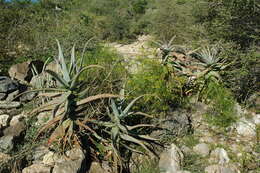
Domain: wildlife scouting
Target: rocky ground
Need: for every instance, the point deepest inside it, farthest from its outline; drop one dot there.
(203, 148)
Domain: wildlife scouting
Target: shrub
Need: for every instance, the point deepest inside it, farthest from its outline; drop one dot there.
(162, 89)
(222, 112)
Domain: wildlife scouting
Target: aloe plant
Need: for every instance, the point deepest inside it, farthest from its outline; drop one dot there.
(66, 100)
(166, 48)
(123, 136)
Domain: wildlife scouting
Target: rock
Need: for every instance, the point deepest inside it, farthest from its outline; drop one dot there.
(238, 109)
(221, 169)
(256, 119)
(12, 96)
(202, 149)
(178, 122)
(50, 158)
(3, 96)
(43, 80)
(219, 155)
(7, 85)
(43, 117)
(185, 149)
(16, 119)
(96, 168)
(28, 96)
(15, 131)
(39, 153)
(171, 160)
(37, 168)
(183, 172)
(4, 157)
(246, 128)
(9, 105)
(4, 120)
(6, 144)
(72, 164)
(23, 71)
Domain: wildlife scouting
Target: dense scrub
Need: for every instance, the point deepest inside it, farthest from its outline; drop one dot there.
(102, 104)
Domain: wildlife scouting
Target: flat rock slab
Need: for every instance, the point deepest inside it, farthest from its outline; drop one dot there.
(9, 105)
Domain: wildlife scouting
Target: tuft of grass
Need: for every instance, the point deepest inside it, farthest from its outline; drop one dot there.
(194, 163)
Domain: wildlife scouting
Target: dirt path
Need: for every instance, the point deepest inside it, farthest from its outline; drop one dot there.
(135, 51)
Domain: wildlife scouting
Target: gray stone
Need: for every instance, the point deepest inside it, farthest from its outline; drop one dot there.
(6, 144)
(16, 119)
(202, 149)
(28, 96)
(221, 169)
(4, 120)
(246, 128)
(219, 155)
(4, 157)
(37, 168)
(9, 105)
(96, 168)
(171, 160)
(12, 95)
(256, 119)
(15, 131)
(7, 85)
(2, 96)
(73, 163)
(39, 153)
(176, 123)
(23, 71)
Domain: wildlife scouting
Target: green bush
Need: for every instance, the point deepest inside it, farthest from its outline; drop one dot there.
(222, 111)
(163, 90)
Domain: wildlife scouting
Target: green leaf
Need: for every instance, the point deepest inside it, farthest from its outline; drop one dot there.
(124, 113)
(58, 78)
(62, 62)
(136, 141)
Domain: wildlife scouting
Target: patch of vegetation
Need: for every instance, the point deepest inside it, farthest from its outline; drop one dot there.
(148, 166)
(194, 163)
(222, 112)
(162, 89)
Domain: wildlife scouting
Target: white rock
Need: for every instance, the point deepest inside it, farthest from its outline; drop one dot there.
(221, 169)
(219, 155)
(4, 120)
(246, 128)
(4, 157)
(37, 168)
(50, 158)
(202, 149)
(171, 160)
(256, 119)
(16, 119)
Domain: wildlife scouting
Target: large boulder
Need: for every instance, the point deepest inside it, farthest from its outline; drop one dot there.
(23, 71)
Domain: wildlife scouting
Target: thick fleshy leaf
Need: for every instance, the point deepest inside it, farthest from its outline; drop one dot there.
(96, 97)
(58, 78)
(126, 110)
(139, 126)
(64, 68)
(72, 61)
(136, 141)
